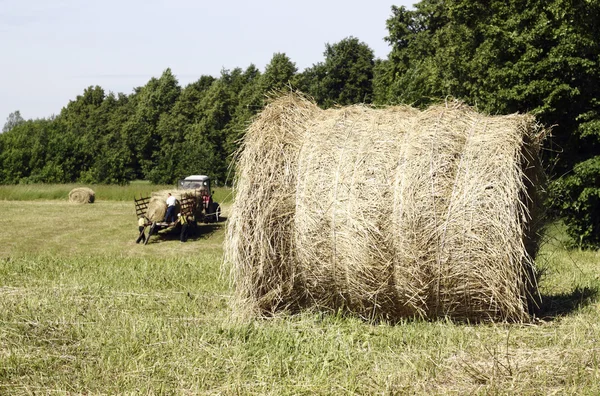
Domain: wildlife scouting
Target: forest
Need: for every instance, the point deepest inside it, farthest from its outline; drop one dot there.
(537, 56)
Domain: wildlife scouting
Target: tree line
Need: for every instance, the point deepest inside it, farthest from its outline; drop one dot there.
(535, 56)
(163, 131)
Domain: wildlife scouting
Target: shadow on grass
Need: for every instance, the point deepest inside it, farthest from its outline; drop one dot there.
(200, 232)
(557, 305)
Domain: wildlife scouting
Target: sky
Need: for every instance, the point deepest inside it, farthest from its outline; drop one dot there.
(53, 49)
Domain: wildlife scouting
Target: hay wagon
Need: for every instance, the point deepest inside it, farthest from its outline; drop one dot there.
(194, 201)
(188, 206)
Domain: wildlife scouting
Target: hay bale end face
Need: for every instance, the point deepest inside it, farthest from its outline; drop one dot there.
(386, 213)
(82, 195)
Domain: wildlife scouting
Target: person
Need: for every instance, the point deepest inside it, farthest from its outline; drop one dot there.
(170, 215)
(184, 227)
(141, 228)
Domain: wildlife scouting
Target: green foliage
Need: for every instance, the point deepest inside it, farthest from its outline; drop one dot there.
(12, 121)
(344, 78)
(156, 98)
(541, 57)
(278, 73)
(161, 131)
(577, 197)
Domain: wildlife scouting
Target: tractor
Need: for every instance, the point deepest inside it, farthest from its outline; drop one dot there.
(210, 211)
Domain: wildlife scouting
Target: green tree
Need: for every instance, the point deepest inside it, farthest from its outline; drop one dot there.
(169, 158)
(278, 73)
(188, 103)
(346, 76)
(157, 97)
(12, 121)
(516, 56)
(218, 107)
(249, 101)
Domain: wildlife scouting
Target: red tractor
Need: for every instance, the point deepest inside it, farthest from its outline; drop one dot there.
(208, 211)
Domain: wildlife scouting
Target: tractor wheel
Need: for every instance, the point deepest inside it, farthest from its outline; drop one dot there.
(217, 213)
(213, 213)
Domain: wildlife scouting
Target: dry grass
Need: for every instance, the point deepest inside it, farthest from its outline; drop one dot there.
(82, 195)
(86, 310)
(387, 213)
(157, 207)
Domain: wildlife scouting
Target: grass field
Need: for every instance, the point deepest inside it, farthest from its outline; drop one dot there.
(83, 309)
(29, 192)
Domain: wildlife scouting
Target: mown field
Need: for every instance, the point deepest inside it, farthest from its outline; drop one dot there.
(83, 309)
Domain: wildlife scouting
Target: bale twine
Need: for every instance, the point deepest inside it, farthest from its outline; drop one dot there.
(386, 213)
(82, 195)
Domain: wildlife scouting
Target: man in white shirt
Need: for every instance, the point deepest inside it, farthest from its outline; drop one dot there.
(170, 215)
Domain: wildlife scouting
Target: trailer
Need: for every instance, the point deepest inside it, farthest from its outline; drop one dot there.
(188, 207)
(196, 204)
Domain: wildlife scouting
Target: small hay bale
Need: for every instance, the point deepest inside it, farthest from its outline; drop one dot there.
(82, 195)
(386, 213)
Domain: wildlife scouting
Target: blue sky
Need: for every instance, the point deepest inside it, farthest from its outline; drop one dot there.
(53, 50)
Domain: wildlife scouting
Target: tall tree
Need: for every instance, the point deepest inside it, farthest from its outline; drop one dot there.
(278, 73)
(537, 56)
(12, 121)
(250, 100)
(346, 76)
(157, 97)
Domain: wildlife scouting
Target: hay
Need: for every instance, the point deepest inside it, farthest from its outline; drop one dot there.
(82, 195)
(157, 207)
(386, 213)
(260, 239)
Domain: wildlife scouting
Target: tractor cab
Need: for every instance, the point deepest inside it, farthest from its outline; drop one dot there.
(196, 182)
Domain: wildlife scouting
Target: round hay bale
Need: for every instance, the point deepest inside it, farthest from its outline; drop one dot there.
(342, 202)
(82, 195)
(157, 208)
(386, 213)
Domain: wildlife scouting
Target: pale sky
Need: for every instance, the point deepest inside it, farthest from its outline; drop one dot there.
(52, 50)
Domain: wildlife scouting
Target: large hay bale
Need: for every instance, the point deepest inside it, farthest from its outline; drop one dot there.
(157, 207)
(386, 213)
(82, 195)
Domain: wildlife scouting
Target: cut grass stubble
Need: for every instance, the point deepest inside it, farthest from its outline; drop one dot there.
(83, 309)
